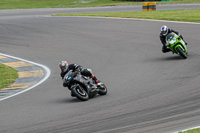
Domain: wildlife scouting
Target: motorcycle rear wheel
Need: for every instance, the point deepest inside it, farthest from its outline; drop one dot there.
(80, 93)
(102, 90)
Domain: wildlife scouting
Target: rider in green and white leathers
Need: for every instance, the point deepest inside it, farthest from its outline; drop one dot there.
(164, 32)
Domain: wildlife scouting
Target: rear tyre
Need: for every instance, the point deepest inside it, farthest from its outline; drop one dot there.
(102, 90)
(182, 54)
(79, 92)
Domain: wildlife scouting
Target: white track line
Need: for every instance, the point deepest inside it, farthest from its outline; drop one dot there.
(136, 19)
(48, 72)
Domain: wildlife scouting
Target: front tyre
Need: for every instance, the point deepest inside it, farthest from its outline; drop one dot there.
(79, 92)
(181, 52)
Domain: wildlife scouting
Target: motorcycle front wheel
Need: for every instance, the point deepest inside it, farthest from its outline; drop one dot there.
(181, 52)
(79, 92)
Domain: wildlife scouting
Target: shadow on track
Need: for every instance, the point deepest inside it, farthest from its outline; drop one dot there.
(73, 100)
(67, 100)
(176, 57)
(173, 58)
(167, 58)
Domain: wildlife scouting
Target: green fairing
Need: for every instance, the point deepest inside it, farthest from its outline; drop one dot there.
(173, 42)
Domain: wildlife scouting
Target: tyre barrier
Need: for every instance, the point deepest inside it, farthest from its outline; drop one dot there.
(149, 6)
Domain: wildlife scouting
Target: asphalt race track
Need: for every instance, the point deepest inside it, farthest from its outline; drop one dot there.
(148, 91)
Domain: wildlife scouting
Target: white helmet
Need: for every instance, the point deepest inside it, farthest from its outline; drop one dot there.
(164, 30)
(63, 66)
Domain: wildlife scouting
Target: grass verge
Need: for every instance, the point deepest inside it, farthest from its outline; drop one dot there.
(7, 75)
(24, 4)
(192, 131)
(188, 15)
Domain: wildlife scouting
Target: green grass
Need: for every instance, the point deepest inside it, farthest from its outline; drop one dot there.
(7, 75)
(22, 4)
(192, 131)
(189, 15)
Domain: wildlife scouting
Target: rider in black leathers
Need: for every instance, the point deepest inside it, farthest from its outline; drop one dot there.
(164, 32)
(65, 68)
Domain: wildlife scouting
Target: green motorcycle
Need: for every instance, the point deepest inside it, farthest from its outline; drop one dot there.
(176, 44)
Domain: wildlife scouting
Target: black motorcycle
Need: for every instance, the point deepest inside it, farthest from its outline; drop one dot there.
(83, 87)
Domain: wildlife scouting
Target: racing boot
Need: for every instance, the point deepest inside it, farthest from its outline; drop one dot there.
(99, 84)
(72, 94)
(165, 49)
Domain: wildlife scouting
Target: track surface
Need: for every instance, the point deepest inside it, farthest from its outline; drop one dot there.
(148, 92)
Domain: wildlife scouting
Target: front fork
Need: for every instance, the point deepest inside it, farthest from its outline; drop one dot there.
(183, 47)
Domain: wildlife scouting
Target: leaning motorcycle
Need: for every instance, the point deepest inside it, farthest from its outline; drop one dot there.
(83, 87)
(176, 44)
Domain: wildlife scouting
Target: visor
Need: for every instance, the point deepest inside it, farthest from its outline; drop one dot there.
(164, 32)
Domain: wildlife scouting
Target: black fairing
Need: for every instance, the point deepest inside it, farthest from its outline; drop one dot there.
(68, 78)
(86, 82)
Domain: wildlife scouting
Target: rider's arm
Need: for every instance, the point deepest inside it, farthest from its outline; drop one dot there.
(62, 74)
(71, 67)
(177, 33)
(77, 67)
(162, 39)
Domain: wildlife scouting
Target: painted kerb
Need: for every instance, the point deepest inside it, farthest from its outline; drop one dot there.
(30, 74)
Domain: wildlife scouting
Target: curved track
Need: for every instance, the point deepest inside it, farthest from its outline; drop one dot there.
(148, 92)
